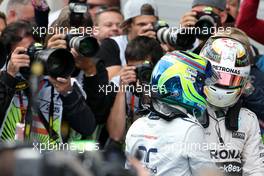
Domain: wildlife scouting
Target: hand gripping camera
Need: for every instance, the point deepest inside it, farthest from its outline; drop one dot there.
(55, 62)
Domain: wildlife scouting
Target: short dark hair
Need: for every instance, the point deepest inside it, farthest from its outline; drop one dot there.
(12, 34)
(142, 47)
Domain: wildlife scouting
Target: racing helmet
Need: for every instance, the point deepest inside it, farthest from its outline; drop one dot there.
(231, 60)
(178, 80)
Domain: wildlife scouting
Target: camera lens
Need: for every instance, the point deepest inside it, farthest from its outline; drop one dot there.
(60, 63)
(57, 62)
(179, 39)
(206, 23)
(86, 46)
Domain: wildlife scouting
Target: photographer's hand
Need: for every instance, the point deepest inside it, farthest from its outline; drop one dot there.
(188, 19)
(62, 85)
(128, 75)
(148, 30)
(150, 34)
(17, 61)
(57, 41)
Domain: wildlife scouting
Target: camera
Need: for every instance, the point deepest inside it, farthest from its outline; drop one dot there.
(207, 21)
(84, 45)
(143, 72)
(55, 62)
(78, 12)
(180, 39)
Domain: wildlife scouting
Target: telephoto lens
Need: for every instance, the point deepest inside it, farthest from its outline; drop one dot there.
(84, 45)
(180, 39)
(55, 62)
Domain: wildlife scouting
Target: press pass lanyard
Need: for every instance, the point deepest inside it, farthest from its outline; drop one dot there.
(28, 119)
(49, 127)
(22, 108)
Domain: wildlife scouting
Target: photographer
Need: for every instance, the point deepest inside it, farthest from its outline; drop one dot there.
(141, 52)
(89, 71)
(20, 10)
(57, 98)
(108, 21)
(206, 17)
(140, 17)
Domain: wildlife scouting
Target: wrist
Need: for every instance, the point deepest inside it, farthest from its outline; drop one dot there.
(10, 73)
(65, 94)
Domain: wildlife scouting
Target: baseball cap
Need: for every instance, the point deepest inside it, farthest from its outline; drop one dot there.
(134, 8)
(219, 4)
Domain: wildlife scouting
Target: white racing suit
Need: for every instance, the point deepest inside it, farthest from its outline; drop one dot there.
(169, 148)
(240, 154)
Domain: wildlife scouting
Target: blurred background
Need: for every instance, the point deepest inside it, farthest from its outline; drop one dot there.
(169, 10)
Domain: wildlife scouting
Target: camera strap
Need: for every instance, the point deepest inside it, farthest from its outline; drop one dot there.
(22, 108)
(49, 125)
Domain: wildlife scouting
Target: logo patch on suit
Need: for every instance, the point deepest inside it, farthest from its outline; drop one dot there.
(238, 135)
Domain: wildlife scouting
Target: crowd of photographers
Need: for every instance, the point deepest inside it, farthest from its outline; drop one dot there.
(139, 91)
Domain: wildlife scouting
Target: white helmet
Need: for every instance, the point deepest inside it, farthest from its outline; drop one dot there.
(231, 60)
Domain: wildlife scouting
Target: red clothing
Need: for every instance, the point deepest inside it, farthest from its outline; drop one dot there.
(248, 22)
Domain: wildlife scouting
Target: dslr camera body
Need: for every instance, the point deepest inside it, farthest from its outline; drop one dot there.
(208, 21)
(78, 12)
(185, 38)
(143, 72)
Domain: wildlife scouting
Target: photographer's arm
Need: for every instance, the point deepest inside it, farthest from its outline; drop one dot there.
(7, 91)
(77, 112)
(8, 80)
(75, 109)
(116, 121)
(248, 22)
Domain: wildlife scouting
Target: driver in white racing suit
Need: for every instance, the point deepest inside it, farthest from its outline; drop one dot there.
(231, 131)
(170, 139)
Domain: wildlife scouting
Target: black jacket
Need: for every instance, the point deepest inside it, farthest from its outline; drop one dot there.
(75, 109)
(100, 102)
(255, 102)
